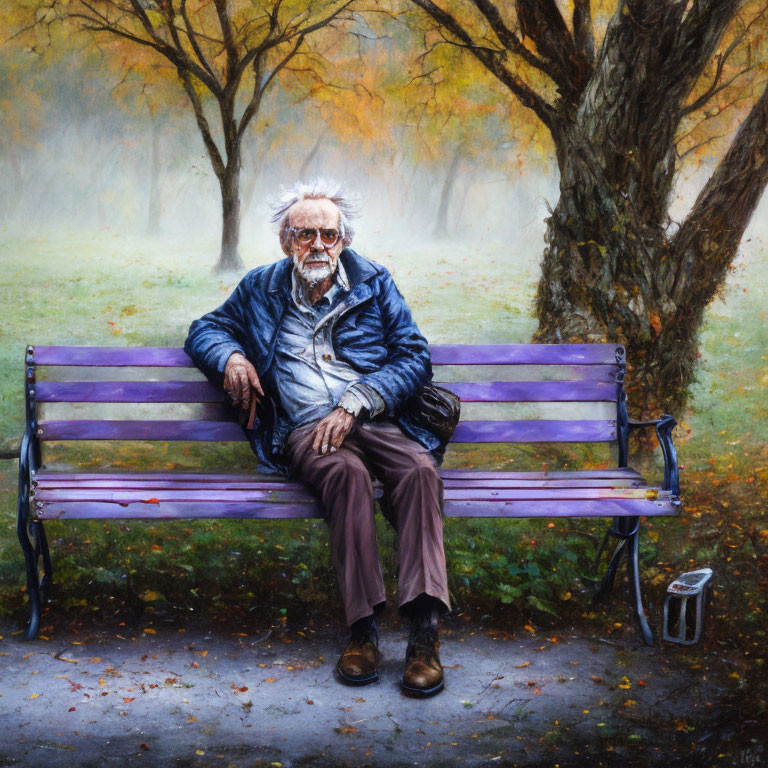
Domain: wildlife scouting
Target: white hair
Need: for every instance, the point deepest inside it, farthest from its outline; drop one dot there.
(317, 189)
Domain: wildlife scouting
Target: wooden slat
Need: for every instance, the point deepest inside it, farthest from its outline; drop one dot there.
(533, 391)
(442, 354)
(524, 354)
(196, 431)
(608, 473)
(160, 357)
(216, 495)
(128, 392)
(264, 510)
(181, 485)
(205, 392)
(534, 431)
(523, 431)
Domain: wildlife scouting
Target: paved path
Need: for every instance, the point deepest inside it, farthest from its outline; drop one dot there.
(156, 695)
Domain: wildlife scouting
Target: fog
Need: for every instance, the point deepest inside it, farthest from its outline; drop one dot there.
(90, 166)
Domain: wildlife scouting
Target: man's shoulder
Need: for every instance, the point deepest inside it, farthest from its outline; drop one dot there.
(267, 276)
(359, 269)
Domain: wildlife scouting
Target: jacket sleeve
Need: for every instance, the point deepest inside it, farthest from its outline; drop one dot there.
(217, 335)
(408, 367)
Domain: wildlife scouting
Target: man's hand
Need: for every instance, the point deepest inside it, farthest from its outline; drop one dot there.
(242, 384)
(331, 431)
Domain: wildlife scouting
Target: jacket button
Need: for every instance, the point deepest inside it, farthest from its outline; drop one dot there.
(326, 357)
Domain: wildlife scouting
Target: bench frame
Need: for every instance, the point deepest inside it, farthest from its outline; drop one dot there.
(625, 529)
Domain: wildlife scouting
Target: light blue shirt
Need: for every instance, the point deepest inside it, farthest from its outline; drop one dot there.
(310, 379)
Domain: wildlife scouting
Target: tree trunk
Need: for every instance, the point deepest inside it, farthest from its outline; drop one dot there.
(610, 272)
(441, 222)
(229, 257)
(153, 204)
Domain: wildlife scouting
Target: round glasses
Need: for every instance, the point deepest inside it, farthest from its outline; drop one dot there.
(328, 237)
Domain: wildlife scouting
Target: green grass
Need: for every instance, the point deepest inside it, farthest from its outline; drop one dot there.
(105, 289)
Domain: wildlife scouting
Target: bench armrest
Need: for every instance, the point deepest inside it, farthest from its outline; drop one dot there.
(664, 426)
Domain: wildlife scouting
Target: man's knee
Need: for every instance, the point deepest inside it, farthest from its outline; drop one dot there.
(420, 470)
(344, 473)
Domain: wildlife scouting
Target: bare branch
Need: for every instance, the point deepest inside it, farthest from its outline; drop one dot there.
(712, 91)
(192, 36)
(543, 23)
(260, 88)
(226, 30)
(583, 34)
(701, 144)
(721, 61)
(492, 61)
(202, 123)
(507, 37)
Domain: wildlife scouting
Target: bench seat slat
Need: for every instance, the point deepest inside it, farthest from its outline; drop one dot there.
(191, 485)
(205, 392)
(520, 431)
(161, 495)
(48, 476)
(246, 509)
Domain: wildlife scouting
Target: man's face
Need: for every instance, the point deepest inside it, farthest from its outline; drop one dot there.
(314, 261)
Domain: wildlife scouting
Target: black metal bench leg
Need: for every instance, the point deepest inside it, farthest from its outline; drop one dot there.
(47, 581)
(33, 581)
(633, 564)
(606, 584)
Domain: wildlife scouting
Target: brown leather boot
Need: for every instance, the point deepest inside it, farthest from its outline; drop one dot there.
(359, 662)
(423, 674)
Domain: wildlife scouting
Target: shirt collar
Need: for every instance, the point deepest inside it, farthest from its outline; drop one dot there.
(340, 283)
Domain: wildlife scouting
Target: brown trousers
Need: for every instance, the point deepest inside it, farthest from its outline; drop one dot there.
(412, 505)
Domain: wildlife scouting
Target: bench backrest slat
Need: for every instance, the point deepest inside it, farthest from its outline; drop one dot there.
(204, 392)
(442, 354)
(519, 431)
(587, 374)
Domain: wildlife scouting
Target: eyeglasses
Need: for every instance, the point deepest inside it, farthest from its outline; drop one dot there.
(328, 237)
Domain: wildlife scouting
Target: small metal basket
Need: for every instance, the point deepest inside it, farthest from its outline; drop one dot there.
(683, 620)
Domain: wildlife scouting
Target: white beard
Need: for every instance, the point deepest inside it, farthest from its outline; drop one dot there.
(311, 277)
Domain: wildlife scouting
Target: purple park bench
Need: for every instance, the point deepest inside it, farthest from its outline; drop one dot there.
(585, 380)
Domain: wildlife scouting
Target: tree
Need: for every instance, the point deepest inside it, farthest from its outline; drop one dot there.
(622, 112)
(226, 52)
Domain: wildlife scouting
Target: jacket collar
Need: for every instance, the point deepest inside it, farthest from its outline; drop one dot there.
(357, 269)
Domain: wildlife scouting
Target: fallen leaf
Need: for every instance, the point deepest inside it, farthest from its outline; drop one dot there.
(35, 695)
(523, 665)
(129, 699)
(149, 631)
(153, 500)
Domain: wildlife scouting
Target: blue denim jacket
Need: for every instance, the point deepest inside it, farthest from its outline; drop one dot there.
(374, 333)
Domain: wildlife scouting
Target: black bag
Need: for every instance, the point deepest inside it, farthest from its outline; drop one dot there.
(437, 410)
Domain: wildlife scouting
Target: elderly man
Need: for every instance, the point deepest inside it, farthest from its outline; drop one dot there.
(324, 343)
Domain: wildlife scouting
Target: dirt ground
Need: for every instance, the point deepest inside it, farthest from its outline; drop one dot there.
(200, 695)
